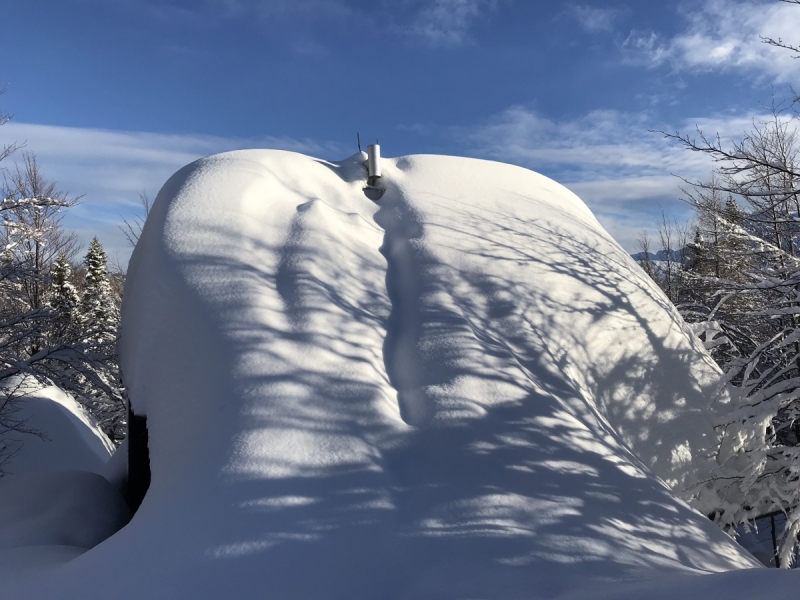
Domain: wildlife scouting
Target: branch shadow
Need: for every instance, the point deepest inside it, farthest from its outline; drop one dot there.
(527, 469)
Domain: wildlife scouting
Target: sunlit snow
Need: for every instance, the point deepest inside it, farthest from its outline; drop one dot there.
(466, 389)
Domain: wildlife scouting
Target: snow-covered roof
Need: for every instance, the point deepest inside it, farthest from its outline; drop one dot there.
(466, 389)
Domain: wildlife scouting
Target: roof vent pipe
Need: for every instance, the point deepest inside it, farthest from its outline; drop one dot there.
(373, 163)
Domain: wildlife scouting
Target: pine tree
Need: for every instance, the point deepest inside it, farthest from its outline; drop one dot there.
(698, 255)
(100, 389)
(64, 301)
(98, 310)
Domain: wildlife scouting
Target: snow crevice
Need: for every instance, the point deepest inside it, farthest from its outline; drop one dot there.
(288, 276)
(401, 248)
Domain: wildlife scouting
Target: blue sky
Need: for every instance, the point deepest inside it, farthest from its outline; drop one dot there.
(115, 95)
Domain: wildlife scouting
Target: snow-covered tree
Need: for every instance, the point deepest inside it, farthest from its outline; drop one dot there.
(748, 313)
(37, 342)
(30, 238)
(33, 234)
(64, 300)
(48, 334)
(99, 312)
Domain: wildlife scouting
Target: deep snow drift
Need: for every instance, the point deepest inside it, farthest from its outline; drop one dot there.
(72, 439)
(464, 390)
(54, 500)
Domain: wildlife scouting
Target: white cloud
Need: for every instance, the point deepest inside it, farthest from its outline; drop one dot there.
(110, 168)
(594, 19)
(609, 158)
(447, 22)
(602, 140)
(725, 34)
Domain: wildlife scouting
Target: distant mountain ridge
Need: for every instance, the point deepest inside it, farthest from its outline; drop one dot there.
(661, 255)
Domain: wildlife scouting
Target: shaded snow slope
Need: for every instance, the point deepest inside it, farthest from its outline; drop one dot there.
(465, 390)
(71, 438)
(54, 504)
(50, 517)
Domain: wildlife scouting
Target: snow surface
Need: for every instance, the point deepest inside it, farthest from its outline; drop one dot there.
(465, 390)
(54, 502)
(50, 517)
(116, 468)
(72, 439)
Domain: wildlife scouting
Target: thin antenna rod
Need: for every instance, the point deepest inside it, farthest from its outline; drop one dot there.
(358, 137)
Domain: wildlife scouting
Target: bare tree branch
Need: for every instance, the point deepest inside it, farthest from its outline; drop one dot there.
(133, 229)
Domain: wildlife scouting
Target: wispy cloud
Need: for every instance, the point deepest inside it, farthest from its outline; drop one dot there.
(623, 172)
(594, 19)
(609, 158)
(447, 22)
(110, 168)
(725, 34)
(604, 140)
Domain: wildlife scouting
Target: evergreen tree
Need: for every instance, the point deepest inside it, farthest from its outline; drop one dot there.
(64, 301)
(98, 310)
(698, 255)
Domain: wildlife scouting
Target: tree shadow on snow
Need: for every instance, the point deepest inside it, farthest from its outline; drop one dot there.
(519, 466)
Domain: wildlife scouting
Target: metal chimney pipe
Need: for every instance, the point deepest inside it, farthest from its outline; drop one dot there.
(373, 163)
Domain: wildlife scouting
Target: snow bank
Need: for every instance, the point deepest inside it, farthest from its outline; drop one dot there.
(50, 518)
(72, 439)
(55, 504)
(465, 390)
(59, 508)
